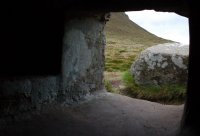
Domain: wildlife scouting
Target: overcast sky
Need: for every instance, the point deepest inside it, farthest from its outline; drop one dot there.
(167, 25)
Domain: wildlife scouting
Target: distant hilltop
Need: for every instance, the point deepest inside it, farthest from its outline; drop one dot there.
(120, 27)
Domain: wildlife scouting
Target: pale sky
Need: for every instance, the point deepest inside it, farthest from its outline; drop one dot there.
(167, 25)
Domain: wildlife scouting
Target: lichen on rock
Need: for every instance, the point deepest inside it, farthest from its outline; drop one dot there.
(162, 64)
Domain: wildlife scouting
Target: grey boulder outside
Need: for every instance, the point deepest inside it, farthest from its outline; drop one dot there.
(162, 64)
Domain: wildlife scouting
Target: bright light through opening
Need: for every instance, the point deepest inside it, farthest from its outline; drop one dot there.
(167, 25)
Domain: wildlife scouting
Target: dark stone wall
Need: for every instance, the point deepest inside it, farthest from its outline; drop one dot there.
(83, 56)
(191, 117)
(31, 42)
(49, 58)
(21, 95)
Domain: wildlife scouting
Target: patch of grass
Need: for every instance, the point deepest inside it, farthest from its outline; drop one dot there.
(108, 86)
(120, 63)
(166, 94)
(121, 51)
(113, 82)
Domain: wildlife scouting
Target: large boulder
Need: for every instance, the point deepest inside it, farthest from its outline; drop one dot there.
(162, 64)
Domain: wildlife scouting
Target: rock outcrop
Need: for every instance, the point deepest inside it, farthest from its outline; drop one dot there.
(162, 64)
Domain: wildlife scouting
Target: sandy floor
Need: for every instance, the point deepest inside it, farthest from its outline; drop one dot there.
(103, 114)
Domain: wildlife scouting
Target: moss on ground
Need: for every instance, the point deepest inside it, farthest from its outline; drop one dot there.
(167, 94)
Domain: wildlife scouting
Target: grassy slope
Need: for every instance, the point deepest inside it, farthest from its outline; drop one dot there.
(125, 40)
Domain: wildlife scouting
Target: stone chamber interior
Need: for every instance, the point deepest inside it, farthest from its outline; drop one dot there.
(53, 53)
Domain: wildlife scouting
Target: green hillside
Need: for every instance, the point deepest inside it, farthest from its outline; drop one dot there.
(125, 40)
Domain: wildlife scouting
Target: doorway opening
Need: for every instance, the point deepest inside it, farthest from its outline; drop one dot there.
(127, 38)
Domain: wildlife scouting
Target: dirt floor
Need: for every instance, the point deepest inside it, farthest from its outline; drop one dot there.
(102, 114)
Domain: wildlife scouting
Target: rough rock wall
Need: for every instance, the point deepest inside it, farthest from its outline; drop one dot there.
(20, 95)
(81, 73)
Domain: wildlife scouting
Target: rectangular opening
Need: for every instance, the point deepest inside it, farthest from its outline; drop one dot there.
(125, 42)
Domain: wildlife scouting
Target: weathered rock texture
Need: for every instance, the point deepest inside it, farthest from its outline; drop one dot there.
(162, 64)
(83, 57)
(21, 95)
(82, 70)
